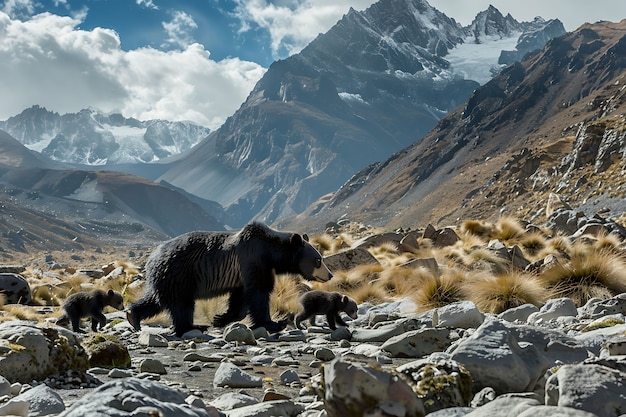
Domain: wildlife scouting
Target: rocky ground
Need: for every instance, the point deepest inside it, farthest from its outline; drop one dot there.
(451, 361)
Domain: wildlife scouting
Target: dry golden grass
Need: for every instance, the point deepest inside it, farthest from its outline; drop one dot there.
(507, 228)
(498, 293)
(610, 242)
(373, 294)
(401, 281)
(284, 298)
(485, 259)
(533, 245)
(477, 228)
(438, 291)
(588, 274)
(324, 243)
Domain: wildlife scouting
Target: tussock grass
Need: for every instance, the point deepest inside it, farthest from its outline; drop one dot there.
(370, 293)
(399, 281)
(533, 244)
(609, 242)
(478, 228)
(498, 293)
(324, 243)
(588, 274)
(438, 291)
(507, 229)
(485, 259)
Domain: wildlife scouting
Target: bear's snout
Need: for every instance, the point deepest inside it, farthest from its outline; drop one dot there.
(322, 273)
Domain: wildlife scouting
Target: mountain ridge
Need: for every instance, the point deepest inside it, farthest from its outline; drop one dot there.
(553, 124)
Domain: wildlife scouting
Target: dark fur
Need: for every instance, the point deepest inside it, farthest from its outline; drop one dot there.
(202, 265)
(90, 304)
(328, 303)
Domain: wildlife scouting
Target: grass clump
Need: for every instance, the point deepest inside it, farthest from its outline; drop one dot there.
(586, 275)
(498, 293)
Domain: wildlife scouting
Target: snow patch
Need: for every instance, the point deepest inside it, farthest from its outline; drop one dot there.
(474, 61)
(88, 192)
(352, 97)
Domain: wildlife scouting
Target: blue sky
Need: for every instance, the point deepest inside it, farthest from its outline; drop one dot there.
(191, 60)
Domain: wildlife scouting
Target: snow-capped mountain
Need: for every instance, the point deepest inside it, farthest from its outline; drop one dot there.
(372, 85)
(90, 137)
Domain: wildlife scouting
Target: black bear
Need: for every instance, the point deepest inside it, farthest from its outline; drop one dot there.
(201, 265)
(328, 303)
(90, 304)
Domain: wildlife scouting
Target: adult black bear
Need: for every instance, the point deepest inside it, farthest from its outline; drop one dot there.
(200, 265)
(328, 303)
(89, 304)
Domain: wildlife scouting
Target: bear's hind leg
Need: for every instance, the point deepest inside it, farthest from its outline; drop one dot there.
(330, 317)
(237, 309)
(299, 319)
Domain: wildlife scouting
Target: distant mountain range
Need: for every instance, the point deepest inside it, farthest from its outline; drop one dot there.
(91, 137)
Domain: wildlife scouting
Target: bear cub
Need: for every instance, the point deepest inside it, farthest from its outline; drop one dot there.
(90, 304)
(328, 303)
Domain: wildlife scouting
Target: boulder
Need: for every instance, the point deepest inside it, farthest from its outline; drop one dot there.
(418, 343)
(54, 350)
(460, 314)
(440, 384)
(228, 374)
(15, 289)
(350, 258)
(594, 388)
(353, 390)
(106, 351)
(133, 396)
(495, 358)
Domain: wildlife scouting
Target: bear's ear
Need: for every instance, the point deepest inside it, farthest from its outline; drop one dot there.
(110, 293)
(344, 299)
(305, 237)
(296, 240)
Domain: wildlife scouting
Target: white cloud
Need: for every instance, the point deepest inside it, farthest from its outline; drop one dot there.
(292, 24)
(48, 61)
(148, 4)
(18, 7)
(179, 29)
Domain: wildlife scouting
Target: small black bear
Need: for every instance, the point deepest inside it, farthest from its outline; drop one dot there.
(89, 304)
(328, 303)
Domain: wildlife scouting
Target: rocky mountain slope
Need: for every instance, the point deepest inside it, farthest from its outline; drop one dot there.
(553, 124)
(90, 137)
(372, 85)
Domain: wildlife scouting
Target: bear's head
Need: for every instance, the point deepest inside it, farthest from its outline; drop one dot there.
(115, 300)
(309, 260)
(348, 306)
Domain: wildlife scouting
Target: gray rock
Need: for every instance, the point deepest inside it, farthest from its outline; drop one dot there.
(595, 339)
(493, 353)
(461, 314)
(358, 389)
(289, 376)
(593, 388)
(53, 349)
(350, 258)
(152, 339)
(519, 314)
(15, 289)
(439, 384)
(553, 309)
(232, 400)
(418, 343)
(134, 396)
(228, 374)
(14, 408)
(5, 386)
(283, 408)
(239, 333)
(153, 366)
(324, 354)
(42, 400)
